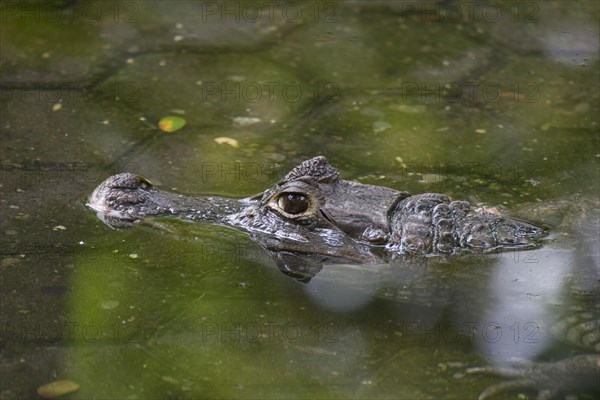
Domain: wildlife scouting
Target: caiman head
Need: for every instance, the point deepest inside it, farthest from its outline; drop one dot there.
(312, 210)
(309, 216)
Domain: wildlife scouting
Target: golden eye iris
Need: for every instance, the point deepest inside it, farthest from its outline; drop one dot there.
(293, 203)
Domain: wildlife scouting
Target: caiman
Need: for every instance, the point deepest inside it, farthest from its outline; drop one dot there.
(311, 210)
(312, 216)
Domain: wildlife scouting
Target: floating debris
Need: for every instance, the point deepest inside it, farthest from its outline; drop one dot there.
(59, 228)
(245, 121)
(371, 112)
(236, 78)
(171, 123)
(109, 304)
(169, 379)
(401, 161)
(416, 109)
(56, 107)
(9, 262)
(227, 140)
(380, 126)
(57, 388)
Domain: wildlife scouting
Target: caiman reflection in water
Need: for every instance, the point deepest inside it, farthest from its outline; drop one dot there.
(312, 217)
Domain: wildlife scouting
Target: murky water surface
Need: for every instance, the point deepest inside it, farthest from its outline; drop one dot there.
(489, 102)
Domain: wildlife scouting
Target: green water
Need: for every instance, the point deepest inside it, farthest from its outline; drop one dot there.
(495, 103)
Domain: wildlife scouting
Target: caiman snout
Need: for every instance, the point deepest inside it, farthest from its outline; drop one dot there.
(123, 199)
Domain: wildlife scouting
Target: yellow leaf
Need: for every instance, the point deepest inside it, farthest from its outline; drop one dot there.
(171, 123)
(57, 388)
(227, 140)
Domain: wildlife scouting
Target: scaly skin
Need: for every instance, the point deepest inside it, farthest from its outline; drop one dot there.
(337, 218)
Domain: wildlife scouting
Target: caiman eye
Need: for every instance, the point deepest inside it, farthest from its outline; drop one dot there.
(293, 203)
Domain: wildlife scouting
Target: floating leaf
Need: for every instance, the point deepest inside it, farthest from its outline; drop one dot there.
(57, 388)
(227, 140)
(171, 123)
